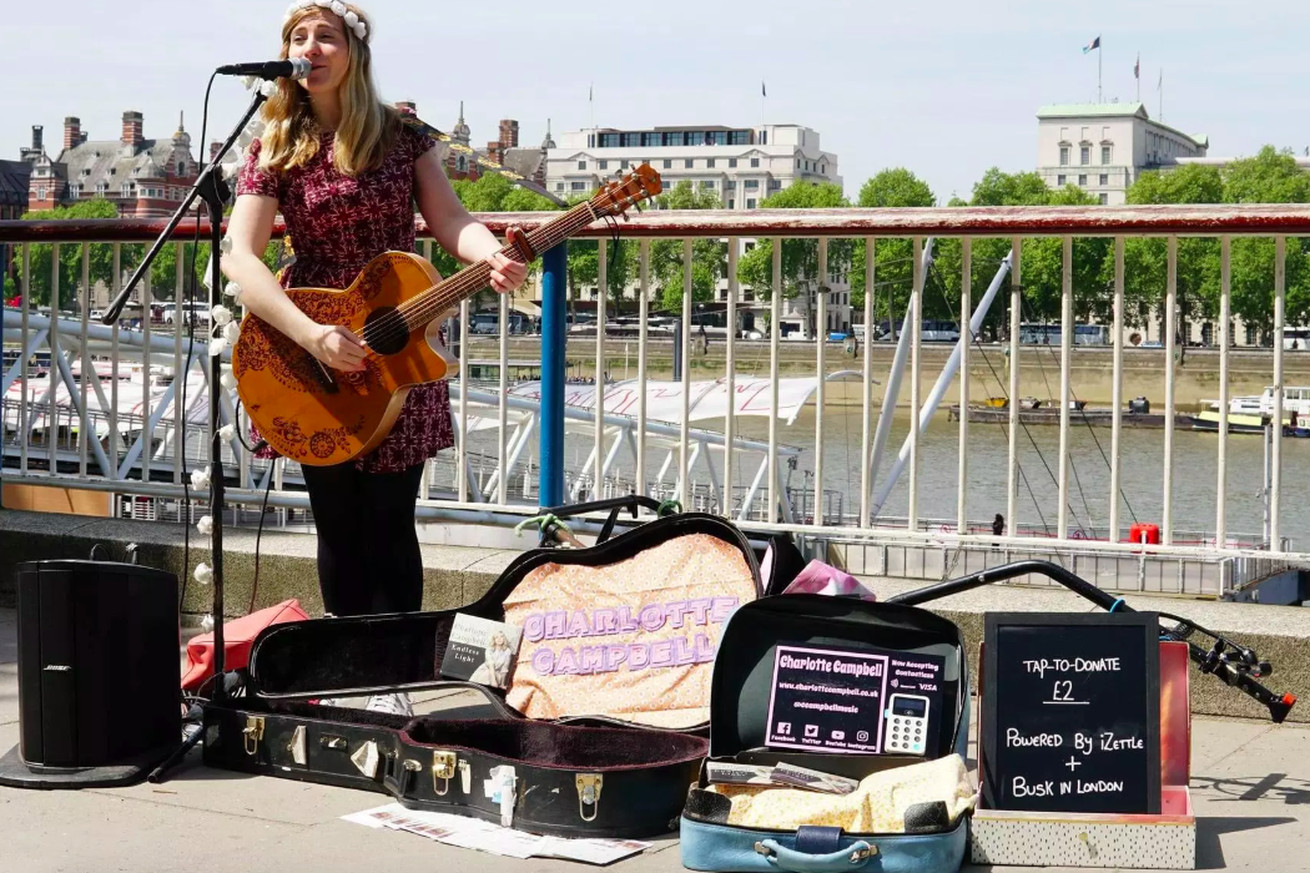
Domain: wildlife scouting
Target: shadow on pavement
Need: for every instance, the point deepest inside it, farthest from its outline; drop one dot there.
(1209, 852)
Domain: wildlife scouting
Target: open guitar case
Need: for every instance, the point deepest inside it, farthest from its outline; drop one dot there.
(605, 721)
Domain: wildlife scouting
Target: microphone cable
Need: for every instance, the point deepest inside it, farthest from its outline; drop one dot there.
(191, 338)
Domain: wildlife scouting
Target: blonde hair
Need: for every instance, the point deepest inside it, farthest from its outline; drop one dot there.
(368, 127)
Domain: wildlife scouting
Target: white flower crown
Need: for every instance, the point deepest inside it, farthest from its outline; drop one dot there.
(337, 8)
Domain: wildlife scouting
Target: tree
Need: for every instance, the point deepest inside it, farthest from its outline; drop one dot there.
(1146, 260)
(70, 255)
(1269, 177)
(491, 192)
(709, 257)
(1042, 271)
(800, 257)
(997, 188)
(893, 258)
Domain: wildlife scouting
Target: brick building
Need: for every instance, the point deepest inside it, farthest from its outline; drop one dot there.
(145, 178)
(14, 176)
(504, 150)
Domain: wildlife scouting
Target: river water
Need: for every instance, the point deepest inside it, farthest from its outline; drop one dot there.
(1195, 472)
(1194, 478)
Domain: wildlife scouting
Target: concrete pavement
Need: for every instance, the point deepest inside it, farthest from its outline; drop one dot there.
(1251, 789)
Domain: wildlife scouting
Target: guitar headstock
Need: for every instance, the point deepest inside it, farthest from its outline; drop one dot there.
(614, 198)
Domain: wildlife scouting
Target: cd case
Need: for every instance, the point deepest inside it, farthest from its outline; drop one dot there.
(481, 651)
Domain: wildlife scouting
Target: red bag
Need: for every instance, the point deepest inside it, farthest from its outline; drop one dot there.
(238, 635)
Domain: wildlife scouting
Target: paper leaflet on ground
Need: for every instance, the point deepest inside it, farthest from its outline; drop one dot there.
(472, 833)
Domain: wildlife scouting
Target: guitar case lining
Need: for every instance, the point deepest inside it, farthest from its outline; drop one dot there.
(605, 719)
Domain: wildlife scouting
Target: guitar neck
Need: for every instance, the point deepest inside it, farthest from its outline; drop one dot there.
(449, 293)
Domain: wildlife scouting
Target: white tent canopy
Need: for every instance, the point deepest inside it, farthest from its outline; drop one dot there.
(709, 399)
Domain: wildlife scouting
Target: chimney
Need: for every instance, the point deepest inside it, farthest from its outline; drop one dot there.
(37, 138)
(509, 133)
(72, 132)
(213, 150)
(495, 152)
(132, 135)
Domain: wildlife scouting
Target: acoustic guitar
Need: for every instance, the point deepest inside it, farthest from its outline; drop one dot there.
(319, 416)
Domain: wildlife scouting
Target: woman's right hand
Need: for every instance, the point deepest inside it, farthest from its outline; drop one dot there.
(336, 346)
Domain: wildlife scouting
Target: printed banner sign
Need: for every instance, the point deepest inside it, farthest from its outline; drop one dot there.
(866, 700)
(635, 639)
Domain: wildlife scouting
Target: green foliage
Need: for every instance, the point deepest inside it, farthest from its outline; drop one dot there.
(996, 188)
(70, 255)
(800, 257)
(490, 193)
(894, 257)
(1042, 268)
(1267, 177)
(163, 270)
(709, 257)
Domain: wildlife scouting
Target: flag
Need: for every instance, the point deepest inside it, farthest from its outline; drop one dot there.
(763, 93)
(591, 92)
(1137, 68)
(1094, 44)
(1160, 84)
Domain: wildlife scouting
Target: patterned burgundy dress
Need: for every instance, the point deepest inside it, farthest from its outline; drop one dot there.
(337, 225)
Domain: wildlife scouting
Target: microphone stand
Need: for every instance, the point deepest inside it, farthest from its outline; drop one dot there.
(211, 188)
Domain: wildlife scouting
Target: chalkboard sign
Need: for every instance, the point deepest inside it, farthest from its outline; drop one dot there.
(1071, 712)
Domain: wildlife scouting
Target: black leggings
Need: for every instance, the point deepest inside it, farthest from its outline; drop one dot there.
(368, 555)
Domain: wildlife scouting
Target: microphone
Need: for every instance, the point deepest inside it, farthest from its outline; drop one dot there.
(292, 68)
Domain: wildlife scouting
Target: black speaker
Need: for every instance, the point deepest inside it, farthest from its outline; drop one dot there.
(99, 674)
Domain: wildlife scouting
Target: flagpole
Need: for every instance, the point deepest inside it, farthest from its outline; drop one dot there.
(1099, 52)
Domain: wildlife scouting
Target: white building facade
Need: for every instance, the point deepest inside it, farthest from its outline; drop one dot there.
(741, 166)
(1102, 148)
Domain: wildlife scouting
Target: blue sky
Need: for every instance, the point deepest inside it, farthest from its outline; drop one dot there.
(946, 89)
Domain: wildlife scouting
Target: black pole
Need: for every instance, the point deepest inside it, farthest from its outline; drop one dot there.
(211, 188)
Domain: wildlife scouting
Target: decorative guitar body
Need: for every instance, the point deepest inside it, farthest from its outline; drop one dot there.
(319, 416)
(315, 415)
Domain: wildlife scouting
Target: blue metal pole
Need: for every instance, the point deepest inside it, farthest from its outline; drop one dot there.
(554, 285)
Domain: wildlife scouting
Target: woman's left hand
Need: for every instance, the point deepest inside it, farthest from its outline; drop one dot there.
(506, 274)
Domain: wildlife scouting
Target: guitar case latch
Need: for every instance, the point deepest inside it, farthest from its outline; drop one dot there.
(253, 734)
(589, 785)
(444, 765)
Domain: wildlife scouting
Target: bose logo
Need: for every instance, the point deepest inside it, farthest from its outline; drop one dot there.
(59, 668)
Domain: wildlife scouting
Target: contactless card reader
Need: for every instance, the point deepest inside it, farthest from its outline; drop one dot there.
(906, 728)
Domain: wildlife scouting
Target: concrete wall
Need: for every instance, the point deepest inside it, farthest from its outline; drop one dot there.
(456, 575)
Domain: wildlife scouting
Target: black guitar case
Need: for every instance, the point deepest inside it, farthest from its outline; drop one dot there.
(605, 721)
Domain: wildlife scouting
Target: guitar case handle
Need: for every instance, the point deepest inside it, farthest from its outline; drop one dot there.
(630, 502)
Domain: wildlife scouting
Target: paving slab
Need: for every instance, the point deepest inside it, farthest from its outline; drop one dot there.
(1251, 791)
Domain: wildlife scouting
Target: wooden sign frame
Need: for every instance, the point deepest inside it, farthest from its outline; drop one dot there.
(988, 749)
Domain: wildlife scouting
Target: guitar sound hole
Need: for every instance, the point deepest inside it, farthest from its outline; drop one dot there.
(386, 331)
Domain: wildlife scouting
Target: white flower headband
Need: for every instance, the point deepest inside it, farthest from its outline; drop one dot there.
(337, 8)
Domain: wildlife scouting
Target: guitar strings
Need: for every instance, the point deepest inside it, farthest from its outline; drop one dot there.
(397, 323)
